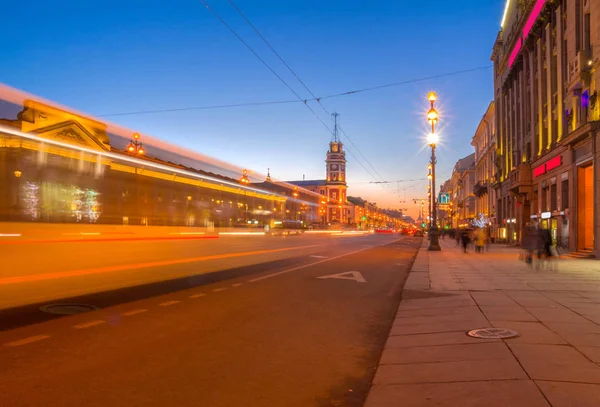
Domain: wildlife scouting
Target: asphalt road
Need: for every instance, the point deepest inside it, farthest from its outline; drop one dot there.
(266, 329)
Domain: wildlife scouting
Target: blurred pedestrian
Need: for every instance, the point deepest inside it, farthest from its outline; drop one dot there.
(465, 239)
(479, 240)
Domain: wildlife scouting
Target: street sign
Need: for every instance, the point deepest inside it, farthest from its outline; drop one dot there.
(444, 198)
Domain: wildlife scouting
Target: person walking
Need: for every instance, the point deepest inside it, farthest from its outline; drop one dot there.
(465, 239)
(479, 240)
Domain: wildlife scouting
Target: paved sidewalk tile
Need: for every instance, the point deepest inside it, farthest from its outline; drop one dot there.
(555, 362)
(461, 371)
(512, 393)
(571, 394)
(446, 353)
(436, 339)
(430, 361)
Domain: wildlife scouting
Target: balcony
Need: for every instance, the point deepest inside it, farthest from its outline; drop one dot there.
(520, 179)
(480, 189)
(578, 67)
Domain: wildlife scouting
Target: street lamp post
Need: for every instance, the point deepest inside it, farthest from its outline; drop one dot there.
(432, 118)
(245, 180)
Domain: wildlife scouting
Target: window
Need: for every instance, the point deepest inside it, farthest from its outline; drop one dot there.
(544, 199)
(564, 194)
(334, 195)
(553, 197)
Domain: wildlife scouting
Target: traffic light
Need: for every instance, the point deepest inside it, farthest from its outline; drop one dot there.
(447, 227)
(423, 224)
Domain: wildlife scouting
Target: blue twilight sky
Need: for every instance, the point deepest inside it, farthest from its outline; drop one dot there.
(130, 55)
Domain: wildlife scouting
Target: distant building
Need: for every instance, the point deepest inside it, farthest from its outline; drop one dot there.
(333, 189)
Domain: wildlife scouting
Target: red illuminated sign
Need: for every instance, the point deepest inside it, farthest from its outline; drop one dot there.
(535, 13)
(541, 170)
(554, 163)
(548, 166)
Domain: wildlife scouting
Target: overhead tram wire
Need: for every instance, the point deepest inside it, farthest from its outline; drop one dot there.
(274, 102)
(318, 100)
(214, 13)
(183, 109)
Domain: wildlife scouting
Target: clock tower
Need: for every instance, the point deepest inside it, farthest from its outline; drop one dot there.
(336, 176)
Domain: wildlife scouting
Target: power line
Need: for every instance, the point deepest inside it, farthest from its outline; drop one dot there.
(183, 109)
(273, 71)
(389, 85)
(305, 101)
(268, 44)
(214, 13)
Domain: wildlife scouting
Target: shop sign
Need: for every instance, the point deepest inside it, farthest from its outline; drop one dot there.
(548, 166)
(546, 215)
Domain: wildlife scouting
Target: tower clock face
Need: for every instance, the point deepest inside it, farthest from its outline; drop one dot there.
(334, 167)
(334, 148)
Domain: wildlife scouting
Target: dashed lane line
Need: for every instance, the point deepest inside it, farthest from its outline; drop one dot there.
(237, 284)
(169, 303)
(89, 324)
(216, 290)
(25, 341)
(197, 295)
(134, 312)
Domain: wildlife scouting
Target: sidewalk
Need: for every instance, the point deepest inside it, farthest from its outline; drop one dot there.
(430, 361)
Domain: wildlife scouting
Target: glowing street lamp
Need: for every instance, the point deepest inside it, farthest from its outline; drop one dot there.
(135, 147)
(432, 140)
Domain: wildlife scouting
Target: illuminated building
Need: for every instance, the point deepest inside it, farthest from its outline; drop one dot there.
(545, 91)
(58, 166)
(334, 187)
(484, 142)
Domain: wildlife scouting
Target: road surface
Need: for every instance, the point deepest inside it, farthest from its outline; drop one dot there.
(266, 322)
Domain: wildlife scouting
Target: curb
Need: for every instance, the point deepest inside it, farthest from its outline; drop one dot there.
(418, 277)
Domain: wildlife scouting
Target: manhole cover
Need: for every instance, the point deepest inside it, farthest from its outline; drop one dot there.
(493, 333)
(68, 309)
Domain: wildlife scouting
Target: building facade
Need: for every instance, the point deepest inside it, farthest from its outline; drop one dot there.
(484, 143)
(545, 94)
(461, 209)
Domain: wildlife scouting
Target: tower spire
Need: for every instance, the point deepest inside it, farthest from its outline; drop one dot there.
(268, 175)
(336, 136)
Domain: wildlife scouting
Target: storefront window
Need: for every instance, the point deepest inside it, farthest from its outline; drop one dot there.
(553, 197)
(564, 193)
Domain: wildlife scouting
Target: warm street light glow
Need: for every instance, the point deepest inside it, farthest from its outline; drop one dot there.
(432, 96)
(433, 139)
(245, 179)
(17, 173)
(141, 151)
(131, 148)
(432, 115)
(136, 136)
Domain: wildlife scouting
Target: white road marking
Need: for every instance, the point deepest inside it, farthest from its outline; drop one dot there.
(197, 295)
(167, 303)
(25, 341)
(216, 290)
(348, 275)
(134, 312)
(319, 257)
(308, 265)
(236, 284)
(10, 234)
(89, 324)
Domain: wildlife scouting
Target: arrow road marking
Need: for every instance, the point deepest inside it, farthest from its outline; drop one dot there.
(348, 275)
